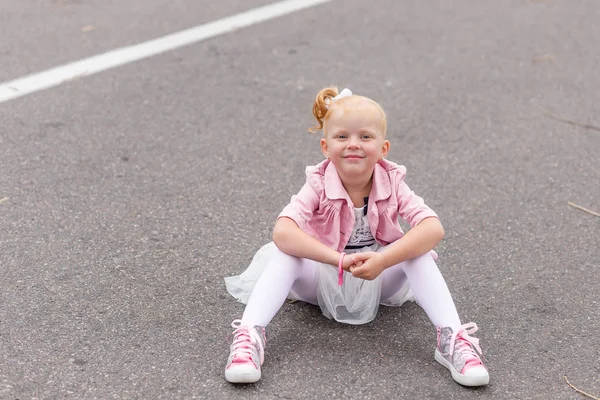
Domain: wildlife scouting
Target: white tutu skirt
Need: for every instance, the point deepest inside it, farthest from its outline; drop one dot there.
(355, 302)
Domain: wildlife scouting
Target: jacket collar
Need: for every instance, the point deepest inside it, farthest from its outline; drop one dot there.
(380, 188)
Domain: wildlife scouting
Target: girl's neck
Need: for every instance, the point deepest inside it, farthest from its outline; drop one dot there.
(358, 191)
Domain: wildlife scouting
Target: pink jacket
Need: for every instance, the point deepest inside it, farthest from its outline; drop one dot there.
(324, 210)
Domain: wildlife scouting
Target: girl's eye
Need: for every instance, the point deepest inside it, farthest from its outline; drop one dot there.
(366, 136)
(341, 136)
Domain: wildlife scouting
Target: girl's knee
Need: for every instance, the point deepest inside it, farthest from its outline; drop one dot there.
(421, 261)
(280, 254)
(279, 259)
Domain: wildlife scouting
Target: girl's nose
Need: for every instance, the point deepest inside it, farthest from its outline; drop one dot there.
(353, 143)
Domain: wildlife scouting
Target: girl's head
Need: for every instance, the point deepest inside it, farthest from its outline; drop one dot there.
(354, 131)
(326, 104)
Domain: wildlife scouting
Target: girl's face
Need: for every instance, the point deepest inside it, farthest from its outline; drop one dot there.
(354, 138)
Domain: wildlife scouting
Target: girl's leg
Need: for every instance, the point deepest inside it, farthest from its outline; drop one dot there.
(283, 273)
(392, 280)
(455, 349)
(428, 286)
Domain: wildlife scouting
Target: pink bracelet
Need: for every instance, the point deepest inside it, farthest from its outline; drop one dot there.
(340, 269)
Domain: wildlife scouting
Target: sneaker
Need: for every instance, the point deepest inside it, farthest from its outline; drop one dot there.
(457, 352)
(246, 354)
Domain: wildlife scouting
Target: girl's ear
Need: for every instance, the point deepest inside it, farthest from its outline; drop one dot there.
(386, 148)
(324, 147)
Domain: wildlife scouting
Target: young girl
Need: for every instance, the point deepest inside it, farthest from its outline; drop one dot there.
(339, 245)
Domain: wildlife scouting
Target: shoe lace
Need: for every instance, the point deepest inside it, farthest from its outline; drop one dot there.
(245, 342)
(467, 347)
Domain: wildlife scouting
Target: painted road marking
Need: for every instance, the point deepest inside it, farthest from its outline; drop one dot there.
(125, 55)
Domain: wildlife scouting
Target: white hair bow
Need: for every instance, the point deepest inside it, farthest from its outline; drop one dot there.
(344, 93)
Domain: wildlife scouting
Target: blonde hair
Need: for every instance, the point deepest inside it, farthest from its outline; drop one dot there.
(324, 105)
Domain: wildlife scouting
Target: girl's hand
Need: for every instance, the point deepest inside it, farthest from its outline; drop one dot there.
(368, 265)
(349, 263)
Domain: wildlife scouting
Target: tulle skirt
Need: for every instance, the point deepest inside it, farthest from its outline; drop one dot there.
(355, 302)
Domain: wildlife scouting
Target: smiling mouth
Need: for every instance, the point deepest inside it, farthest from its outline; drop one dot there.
(354, 157)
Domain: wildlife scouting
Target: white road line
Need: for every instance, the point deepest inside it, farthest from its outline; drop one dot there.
(125, 55)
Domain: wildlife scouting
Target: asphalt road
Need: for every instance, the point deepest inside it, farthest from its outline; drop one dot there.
(127, 196)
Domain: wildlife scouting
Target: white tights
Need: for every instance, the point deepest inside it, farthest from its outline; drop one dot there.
(285, 273)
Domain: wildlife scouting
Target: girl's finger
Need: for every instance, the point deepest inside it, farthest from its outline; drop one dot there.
(360, 257)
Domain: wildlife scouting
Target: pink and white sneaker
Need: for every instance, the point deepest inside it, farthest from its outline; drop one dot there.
(457, 352)
(246, 354)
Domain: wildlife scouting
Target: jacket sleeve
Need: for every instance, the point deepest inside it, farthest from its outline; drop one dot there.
(302, 206)
(411, 207)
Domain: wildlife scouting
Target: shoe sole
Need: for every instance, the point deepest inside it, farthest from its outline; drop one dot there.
(460, 378)
(239, 375)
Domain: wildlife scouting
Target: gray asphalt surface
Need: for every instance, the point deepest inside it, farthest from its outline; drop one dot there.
(127, 196)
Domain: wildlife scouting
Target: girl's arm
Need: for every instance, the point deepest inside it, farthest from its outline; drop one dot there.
(292, 240)
(425, 233)
(417, 241)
